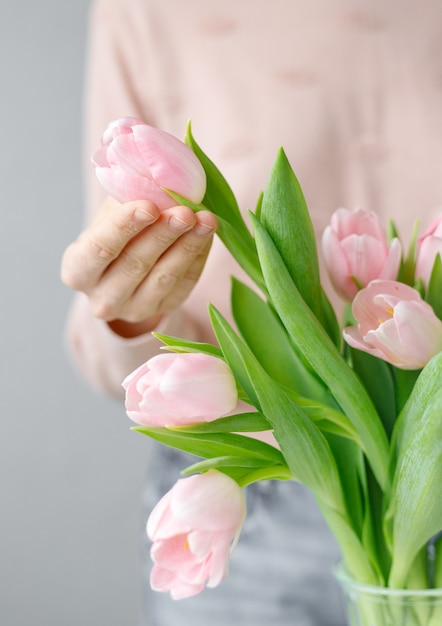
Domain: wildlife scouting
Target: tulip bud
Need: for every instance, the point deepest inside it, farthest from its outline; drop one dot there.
(179, 389)
(138, 162)
(428, 246)
(195, 527)
(395, 324)
(356, 251)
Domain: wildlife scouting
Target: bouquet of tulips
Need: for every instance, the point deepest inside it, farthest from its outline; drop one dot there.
(355, 409)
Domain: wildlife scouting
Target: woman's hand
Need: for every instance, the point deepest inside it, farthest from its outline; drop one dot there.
(137, 264)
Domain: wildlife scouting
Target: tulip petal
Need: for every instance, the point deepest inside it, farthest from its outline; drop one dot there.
(429, 248)
(393, 261)
(172, 164)
(209, 501)
(125, 187)
(193, 527)
(138, 161)
(180, 389)
(395, 324)
(337, 265)
(359, 238)
(365, 256)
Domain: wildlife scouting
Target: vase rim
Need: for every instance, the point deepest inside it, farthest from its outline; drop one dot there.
(349, 582)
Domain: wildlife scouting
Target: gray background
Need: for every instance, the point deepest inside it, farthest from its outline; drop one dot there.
(71, 471)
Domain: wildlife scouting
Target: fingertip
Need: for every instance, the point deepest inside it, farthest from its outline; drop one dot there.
(181, 214)
(143, 211)
(207, 219)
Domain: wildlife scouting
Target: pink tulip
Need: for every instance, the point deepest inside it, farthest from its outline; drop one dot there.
(356, 251)
(429, 245)
(195, 527)
(178, 389)
(137, 162)
(395, 324)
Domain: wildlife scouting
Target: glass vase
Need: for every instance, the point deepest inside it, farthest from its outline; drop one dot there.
(380, 606)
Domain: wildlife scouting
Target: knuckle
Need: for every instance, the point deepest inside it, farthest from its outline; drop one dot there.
(191, 249)
(163, 239)
(103, 309)
(127, 229)
(103, 251)
(70, 273)
(165, 280)
(134, 266)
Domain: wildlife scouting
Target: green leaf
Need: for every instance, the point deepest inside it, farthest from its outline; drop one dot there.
(227, 461)
(304, 447)
(241, 422)
(285, 216)
(176, 344)
(392, 231)
(330, 321)
(438, 562)
(244, 471)
(404, 384)
(433, 294)
(317, 348)
(350, 464)
(415, 500)
(372, 533)
(219, 197)
(329, 420)
(242, 250)
(255, 319)
(356, 560)
(427, 385)
(409, 264)
(378, 380)
(259, 205)
(213, 444)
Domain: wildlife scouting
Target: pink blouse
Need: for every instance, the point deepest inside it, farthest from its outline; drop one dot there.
(352, 91)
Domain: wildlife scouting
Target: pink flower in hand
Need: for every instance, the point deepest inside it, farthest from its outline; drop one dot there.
(194, 528)
(178, 389)
(137, 161)
(356, 251)
(429, 245)
(395, 324)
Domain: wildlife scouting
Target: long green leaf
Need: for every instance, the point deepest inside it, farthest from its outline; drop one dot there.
(176, 344)
(317, 348)
(241, 422)
(415, 501)
(285, 216)
(213, 444)
(427, 385)
(409, 423)
(434, 290)
(219, 197)
(378, 379)
(243, 471)
(304, 447)
(255, 319)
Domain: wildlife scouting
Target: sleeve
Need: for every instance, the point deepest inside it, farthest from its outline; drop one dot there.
(116, 78)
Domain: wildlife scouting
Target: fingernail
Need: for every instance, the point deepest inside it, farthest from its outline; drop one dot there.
(176, 223)
(143, 216)
(203, 229)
